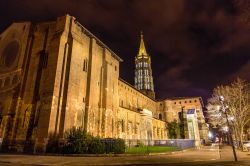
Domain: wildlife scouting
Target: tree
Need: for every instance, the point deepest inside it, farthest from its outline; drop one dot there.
(175, 130)
(237, 101)
(213, 113)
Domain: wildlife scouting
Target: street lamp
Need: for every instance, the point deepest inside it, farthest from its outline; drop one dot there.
(210, 135)
(221, 98)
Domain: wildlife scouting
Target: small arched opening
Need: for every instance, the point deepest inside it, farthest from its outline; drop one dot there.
(160, 116)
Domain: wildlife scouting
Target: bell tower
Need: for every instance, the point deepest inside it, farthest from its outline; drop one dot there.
(143, 71)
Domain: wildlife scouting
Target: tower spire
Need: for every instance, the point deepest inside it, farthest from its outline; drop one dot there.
(143, 71)
(142, 49)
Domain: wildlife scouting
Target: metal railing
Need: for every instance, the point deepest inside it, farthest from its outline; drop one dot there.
(109, 144)
(180, 143)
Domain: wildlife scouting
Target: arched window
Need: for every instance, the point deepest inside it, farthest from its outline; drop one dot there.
(160, 116)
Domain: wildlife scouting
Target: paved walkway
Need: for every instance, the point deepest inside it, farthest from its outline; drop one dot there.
(202, 157)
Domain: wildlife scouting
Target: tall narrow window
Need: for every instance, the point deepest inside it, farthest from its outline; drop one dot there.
(44, 60)
(24, 117)
(85, 65)
(160, 116)
(123, 126)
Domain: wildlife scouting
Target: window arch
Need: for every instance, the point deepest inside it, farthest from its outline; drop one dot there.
(160, 116)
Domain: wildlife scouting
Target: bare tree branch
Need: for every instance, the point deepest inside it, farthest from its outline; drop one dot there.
(237, 100)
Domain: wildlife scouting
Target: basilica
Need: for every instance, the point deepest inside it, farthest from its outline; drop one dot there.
(58, 75)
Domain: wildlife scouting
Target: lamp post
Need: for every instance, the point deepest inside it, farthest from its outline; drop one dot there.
(221, 98)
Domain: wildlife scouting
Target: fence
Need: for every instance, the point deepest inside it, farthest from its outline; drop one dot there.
(180, 143)
(109, 145)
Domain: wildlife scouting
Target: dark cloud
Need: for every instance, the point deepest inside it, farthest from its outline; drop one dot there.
(195, 45)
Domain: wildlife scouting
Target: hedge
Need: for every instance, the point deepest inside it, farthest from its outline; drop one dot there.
(78, 141)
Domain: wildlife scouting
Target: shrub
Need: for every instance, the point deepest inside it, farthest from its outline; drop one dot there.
(96, 146)
(175, 130)
(140, 144)
(118, 146)
(77, 141)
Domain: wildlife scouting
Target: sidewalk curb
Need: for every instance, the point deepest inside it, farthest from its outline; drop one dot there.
(100, 155)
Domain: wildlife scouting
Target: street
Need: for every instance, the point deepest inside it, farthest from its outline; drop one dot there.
(209, 156)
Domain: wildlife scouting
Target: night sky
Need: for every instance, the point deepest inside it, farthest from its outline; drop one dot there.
(194, 45)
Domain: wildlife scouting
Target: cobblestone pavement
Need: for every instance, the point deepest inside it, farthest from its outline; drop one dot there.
(202, 157)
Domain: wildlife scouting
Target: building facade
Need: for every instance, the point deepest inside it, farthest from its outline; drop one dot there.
(187, 110)
(58, 75)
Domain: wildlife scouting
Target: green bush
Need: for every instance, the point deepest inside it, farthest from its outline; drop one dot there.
(96, 146)
(175, 130)
(77, 141)
(140, 144)
(118, 146)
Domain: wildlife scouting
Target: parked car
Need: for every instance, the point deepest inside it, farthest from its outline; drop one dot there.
(246, 145)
